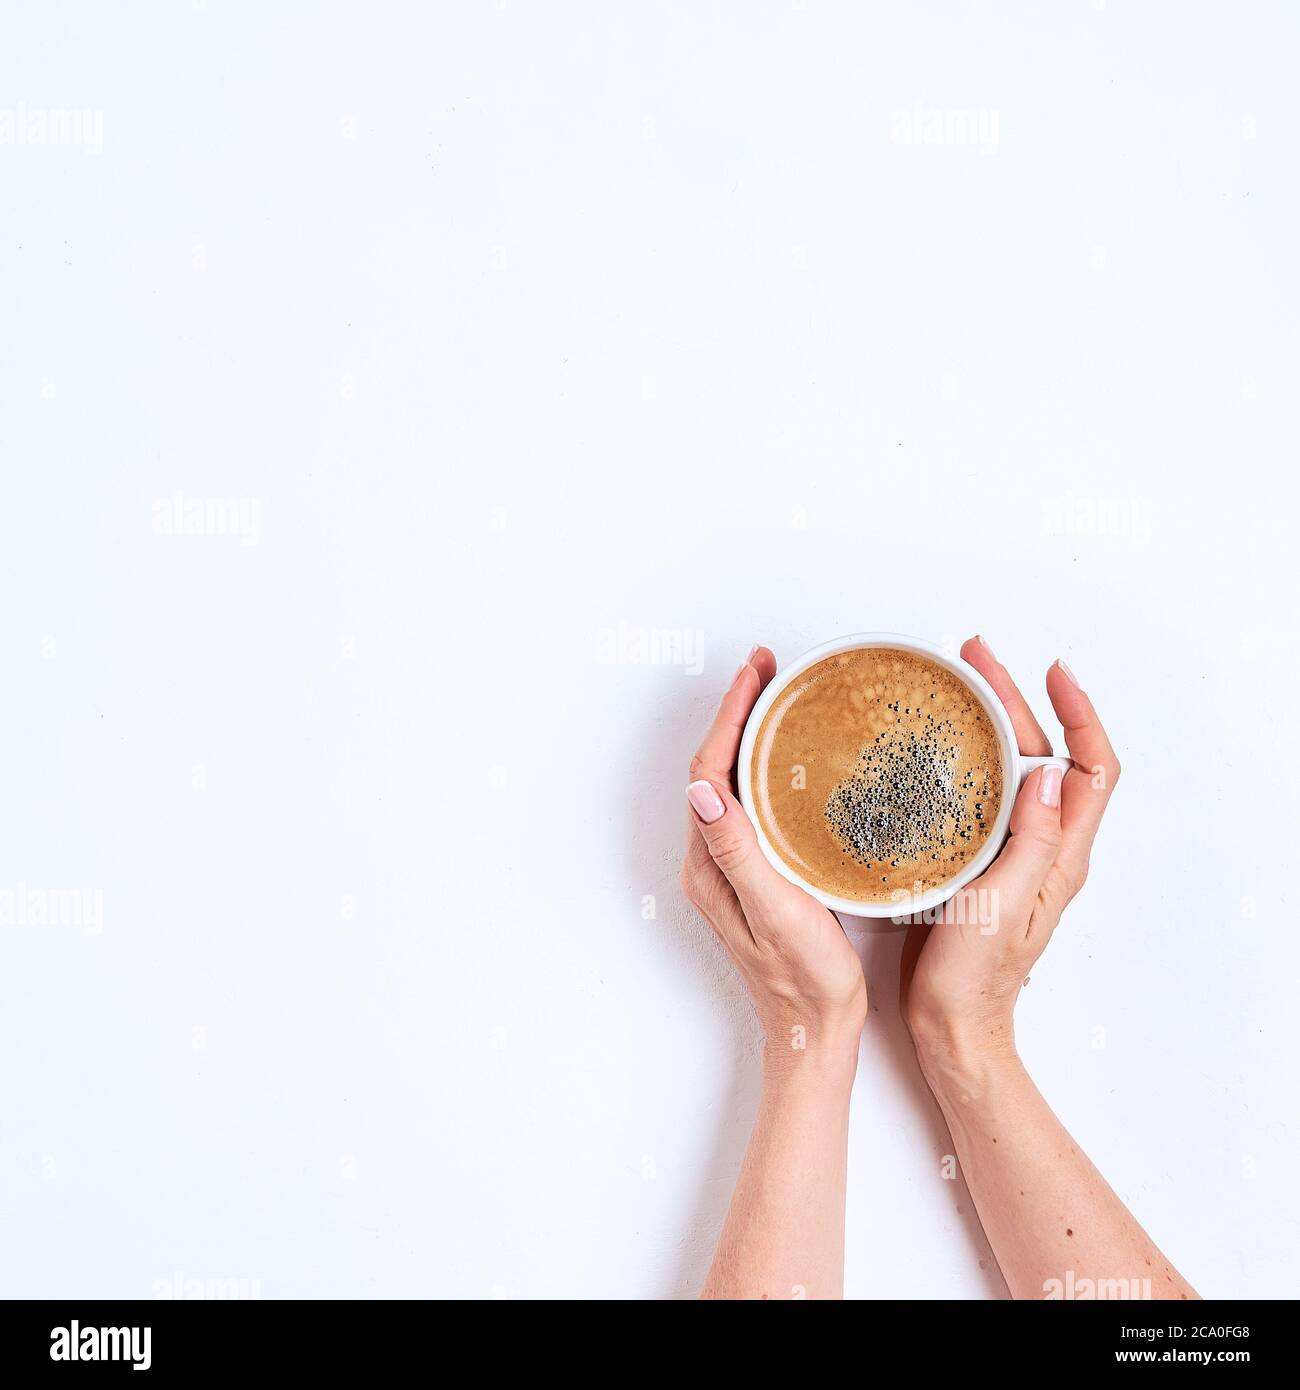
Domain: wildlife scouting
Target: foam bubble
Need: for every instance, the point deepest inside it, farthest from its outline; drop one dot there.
(903, 802)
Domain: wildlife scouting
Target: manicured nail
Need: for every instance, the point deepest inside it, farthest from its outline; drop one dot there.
(753, 652)
(747, 661)
(980, 639)
(707, 803)
(1049, 786)
(1074, 680)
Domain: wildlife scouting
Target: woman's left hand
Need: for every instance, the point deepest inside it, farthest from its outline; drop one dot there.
(801, 972)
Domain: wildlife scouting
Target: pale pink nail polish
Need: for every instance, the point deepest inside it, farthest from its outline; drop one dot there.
(1049, 786)
(1074, 680)
(979, 637)
(706, 802)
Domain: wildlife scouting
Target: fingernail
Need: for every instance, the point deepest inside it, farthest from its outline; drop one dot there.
(1074, 680)
(747, 662)
(979, 637)
(707, 803)
(1049, 786)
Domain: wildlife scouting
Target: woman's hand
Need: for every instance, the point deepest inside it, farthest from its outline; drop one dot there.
(784, 1233)
(960, 978)
(801, 972)
(1055, 1227)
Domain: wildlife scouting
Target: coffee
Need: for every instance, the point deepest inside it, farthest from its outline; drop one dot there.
(877, 774)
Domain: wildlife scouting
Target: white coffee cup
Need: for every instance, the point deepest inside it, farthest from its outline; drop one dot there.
(1015, 768)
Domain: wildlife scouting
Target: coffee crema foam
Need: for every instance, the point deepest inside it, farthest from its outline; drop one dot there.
(877, 774)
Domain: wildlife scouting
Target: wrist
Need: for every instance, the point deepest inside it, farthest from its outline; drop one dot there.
(962, 1058)
(820, 1052)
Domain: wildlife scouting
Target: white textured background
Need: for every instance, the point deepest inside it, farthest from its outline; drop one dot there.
(526, 323)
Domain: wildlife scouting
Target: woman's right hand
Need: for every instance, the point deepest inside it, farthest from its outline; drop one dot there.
(961, 977)
(1051, 1220)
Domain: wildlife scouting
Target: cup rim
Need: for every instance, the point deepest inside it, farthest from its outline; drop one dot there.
(913, 905)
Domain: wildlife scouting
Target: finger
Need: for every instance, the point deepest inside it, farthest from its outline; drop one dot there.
(1096, 768)
(716, 756)
(1030, 738)
(763, 660)
(1035, 841)
(729, 835)
(706, 887)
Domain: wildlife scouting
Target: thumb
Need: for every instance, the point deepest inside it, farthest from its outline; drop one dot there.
(1035, 835)
(729, 835)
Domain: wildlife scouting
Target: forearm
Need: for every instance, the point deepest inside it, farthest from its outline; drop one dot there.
(784, 1233)
(1050, 1217)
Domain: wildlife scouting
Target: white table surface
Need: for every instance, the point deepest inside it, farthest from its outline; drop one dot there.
(533, 331)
